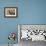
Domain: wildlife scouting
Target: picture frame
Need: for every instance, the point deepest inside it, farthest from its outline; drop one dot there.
(10, 12)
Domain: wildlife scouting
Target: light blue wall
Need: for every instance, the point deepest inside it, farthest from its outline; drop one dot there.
(29, 12)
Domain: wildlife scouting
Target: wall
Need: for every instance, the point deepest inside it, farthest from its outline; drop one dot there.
(29, 12)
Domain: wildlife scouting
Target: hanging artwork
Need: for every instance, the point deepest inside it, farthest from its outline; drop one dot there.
(11, 12)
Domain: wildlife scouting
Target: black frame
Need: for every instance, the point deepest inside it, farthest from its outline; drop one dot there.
(11, 16)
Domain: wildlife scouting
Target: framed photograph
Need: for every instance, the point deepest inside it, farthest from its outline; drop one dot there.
(10, 12)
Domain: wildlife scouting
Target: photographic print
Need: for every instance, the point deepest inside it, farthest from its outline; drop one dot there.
(11, 11)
